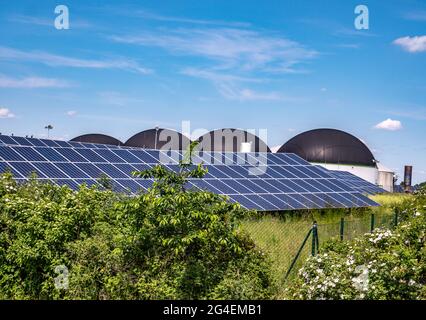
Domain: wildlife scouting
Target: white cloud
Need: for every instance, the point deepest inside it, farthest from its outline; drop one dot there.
(6, 113)
(117, 99)
(31, 82)
(64, 61)
(244, 94)
(412, 44)
(389, 124)
(231, 47)
(71, 113)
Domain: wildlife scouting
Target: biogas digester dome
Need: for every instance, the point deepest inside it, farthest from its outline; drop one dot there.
(339, 150)
(330, 146)
(158, 138)
(231, 140)
(98, 138)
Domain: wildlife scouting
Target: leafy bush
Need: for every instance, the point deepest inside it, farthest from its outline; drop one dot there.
(386, 264)
(168, 243)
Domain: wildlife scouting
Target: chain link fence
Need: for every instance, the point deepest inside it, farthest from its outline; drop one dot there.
(288, 242)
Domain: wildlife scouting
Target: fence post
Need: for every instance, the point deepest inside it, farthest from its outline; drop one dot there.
(298, 254)
(395, 219)
(372, 223)
(342, 226)
(314, 238)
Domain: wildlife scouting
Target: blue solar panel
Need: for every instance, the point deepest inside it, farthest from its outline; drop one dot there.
(72, 170)
(49, 143)
(51, 154)
(109, 155)
(26, 169)
(22, 141)
(36, 142)
(71, 155)
(126, 156)
(49, 170)
(259, 181)
(143, 156)
(29, 153)
(126, 168)
(246, 203)
(8, 154)
(7, 140)
(356, 183)
(90, 155)
(237, 185)
(5, 167)
(111, 170)
(63, 144)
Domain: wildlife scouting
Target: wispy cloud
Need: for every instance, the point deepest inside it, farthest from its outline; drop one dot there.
(349, 45)
(71, 113)
(232, 56)
(153, 16)
(415, 15)
(416, 113)
(32, 82)
(335, 28)
(412, 44)
(389, 124)
(64, 61)
(46, 22)
(233, 87)
(5, 113)
(117, 99)
(233, 48)
(218, 76)
(243, 94)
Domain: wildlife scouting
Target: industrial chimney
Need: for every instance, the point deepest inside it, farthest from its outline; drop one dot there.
(408, 175)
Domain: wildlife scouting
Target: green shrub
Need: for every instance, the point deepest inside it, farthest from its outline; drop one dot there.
(168, 243)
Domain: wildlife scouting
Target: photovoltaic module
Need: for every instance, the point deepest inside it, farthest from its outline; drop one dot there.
(259, 181)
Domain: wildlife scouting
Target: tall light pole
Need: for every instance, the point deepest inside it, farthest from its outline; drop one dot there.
(156, 137)
(48, 128)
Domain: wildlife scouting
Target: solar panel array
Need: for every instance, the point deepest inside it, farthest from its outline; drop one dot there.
(264, 182)
(356, 182)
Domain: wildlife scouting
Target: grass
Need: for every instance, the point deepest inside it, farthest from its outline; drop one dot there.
(281, 235)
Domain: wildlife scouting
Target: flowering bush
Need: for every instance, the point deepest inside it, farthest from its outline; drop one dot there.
(386, 264)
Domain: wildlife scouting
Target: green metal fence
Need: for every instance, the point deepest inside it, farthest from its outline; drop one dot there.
(289, 242)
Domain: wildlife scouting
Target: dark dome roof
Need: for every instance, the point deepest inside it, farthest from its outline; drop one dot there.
(146, 139)
(230, 140)
(329, 146)
(97, 138)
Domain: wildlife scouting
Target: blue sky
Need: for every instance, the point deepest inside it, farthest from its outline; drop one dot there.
(284, 66)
